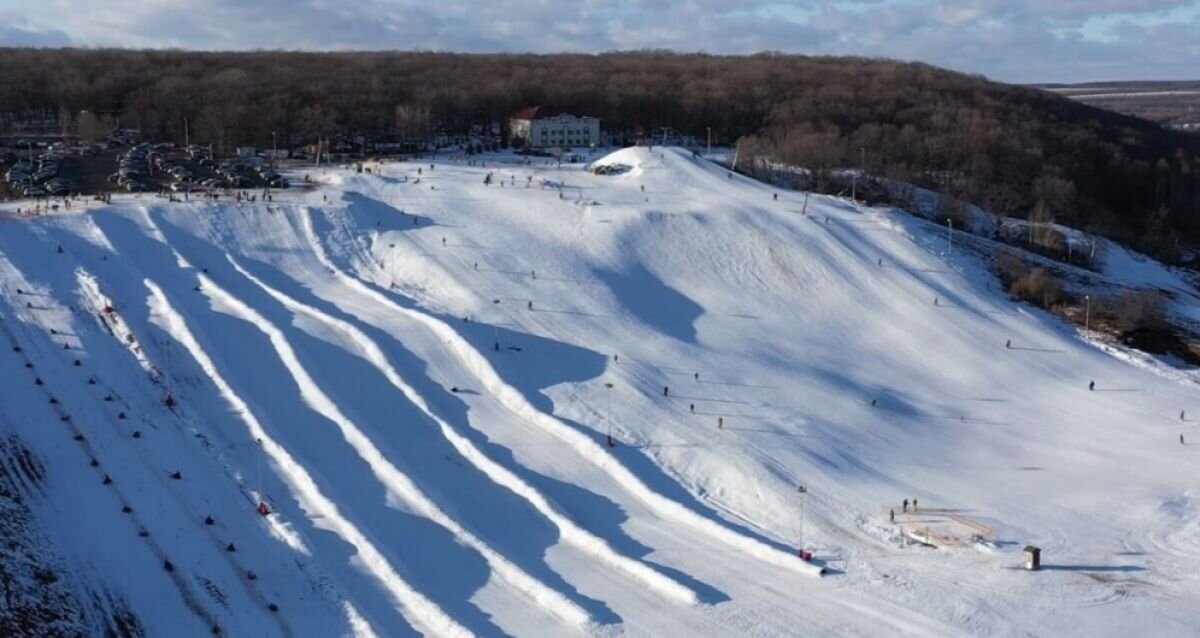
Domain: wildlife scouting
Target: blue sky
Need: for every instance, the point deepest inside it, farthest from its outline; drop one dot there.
(1010, 40)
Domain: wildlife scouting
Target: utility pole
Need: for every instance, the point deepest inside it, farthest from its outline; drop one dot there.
(709, 128)
(949, 235)
(608, 418)
(274, 150)
(495, 332)
(258, 462)
(853, 187)
(1087, 313)
(187, 140)
(802, 490)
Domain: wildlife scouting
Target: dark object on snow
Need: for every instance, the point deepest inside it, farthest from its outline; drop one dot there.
(177, 475)
(95, 463)
(696, 376)
(107, 480)
(60, 250)
(874, 402)
(64, 418)
(273, 607)
(169, 400)
(143, 533)
(108, 397)
(263, 509)
(230, 548)
(37, 381)
(53, 331)
(28, 364)
(127, 509)
(168, 566)
(905, 506)
(1008, 344)
(914, 504)
(78, 363)
(1092, 385)
(91, 380)
(1181, 440)
(666, 391)
(208, 520)
(892, 515)
(216, 630)
(615, 358)
(529, 305)
(692, 408)
(1033, 558)
(78, 437)
(720, 423)
(454, 389)
(120, 415)
(53, 401)
(66, 346)
(250, 575)
(137, 434)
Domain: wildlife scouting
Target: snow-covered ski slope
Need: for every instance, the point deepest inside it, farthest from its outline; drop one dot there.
(414, 375)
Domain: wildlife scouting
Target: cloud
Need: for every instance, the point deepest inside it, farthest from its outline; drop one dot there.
(1016, 40)
(16, 31)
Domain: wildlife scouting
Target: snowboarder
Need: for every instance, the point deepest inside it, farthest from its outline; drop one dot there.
(1092, 385)
(666, 391)
(905, 505)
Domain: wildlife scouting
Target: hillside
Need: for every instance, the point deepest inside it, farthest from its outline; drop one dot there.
(411, 370)
(1011, 149)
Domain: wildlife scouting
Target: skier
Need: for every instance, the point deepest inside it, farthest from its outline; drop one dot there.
(696, 376)
(892, 515)
(615, 358)
(914, 504)
(720, 423)
(529, 305)
(935, 301)
(1092, 385)
(775, 196)
(692, 408)
(1008, 344)
(874, 402)
(881, 262)
(177, 475)
(443, 241)
(263, 509)
(208, 520)
(1181, 416)
(905, 506)
(1181, 440)
(476, 265)
(666, 391)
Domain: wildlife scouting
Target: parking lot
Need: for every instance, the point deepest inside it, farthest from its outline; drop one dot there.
(42, 169)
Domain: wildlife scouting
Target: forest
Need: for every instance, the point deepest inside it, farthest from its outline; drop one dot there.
(1013, 150)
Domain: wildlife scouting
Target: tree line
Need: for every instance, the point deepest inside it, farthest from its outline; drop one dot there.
(1013, 150)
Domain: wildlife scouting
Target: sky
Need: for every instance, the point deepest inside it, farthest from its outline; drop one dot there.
(1007, 40)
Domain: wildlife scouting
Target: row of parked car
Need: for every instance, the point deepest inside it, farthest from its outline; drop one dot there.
(37, 177)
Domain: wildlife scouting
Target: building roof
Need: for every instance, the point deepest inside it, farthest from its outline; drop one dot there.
(538, 113)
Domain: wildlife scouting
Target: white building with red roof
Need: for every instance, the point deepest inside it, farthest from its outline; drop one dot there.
(539, 127)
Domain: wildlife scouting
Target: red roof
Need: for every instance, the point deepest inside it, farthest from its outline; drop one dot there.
(536, 113)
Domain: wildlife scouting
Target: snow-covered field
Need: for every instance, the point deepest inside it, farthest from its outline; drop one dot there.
(419, 372)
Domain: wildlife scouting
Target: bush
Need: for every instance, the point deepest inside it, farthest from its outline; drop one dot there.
(1139, 310)
(1038, 287)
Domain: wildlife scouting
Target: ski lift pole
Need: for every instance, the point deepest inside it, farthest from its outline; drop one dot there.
(608, 416)
(802, 490)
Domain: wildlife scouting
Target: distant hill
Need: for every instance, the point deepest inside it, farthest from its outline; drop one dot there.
(1012, 149)
(1172, 104)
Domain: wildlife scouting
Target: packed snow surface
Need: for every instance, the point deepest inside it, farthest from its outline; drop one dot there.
(419, 370)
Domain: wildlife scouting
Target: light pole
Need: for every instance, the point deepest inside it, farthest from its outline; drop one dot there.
(608, 418)
(274, 149)
(709, 129)
(258, 464)
(801, 490)
(949, 236)
(1087, 313)
(495, 332)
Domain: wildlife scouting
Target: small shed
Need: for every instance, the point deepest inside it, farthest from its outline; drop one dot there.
(1033, 558)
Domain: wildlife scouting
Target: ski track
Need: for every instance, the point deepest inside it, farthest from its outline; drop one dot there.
(516, 402)
(572, 533)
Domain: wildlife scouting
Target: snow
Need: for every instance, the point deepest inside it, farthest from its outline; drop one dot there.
(413, 376)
